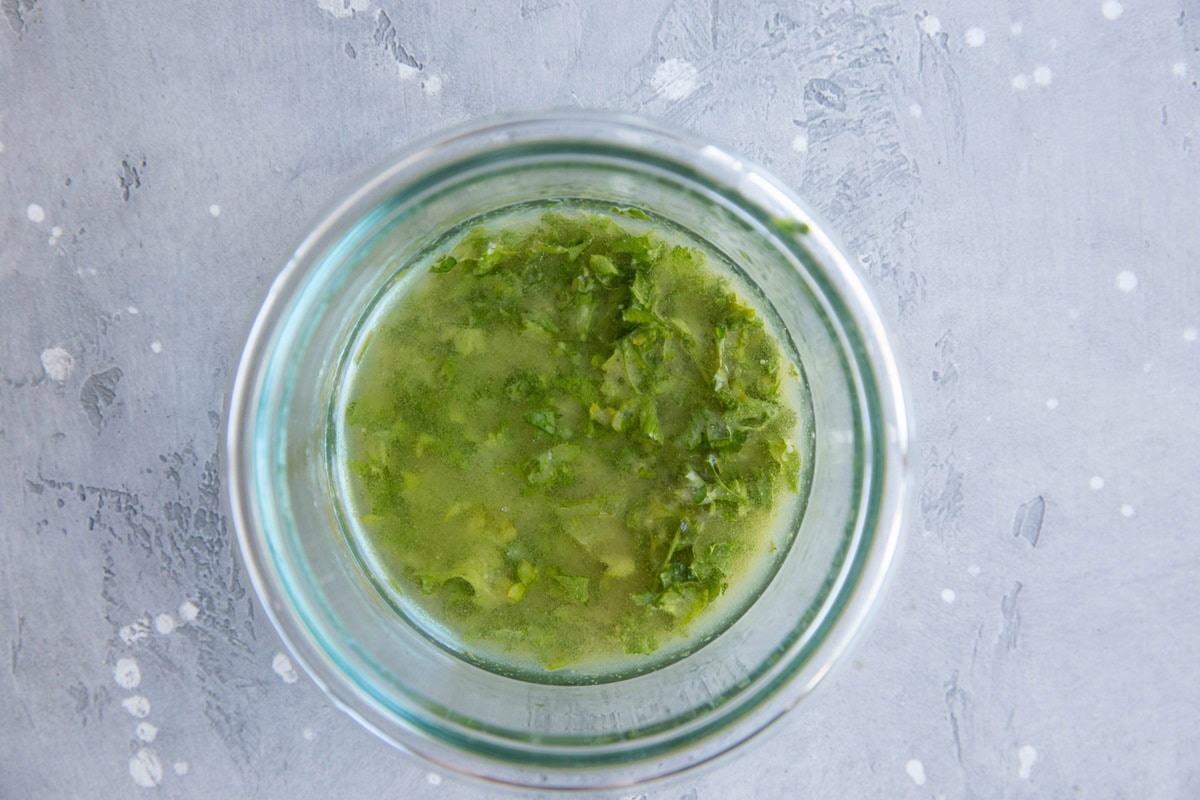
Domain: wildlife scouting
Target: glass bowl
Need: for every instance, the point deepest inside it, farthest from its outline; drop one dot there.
(423, 697)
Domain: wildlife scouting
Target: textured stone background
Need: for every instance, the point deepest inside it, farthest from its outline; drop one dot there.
(1020, 182)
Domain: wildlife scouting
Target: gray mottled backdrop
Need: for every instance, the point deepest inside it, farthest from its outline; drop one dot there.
(1019, 182)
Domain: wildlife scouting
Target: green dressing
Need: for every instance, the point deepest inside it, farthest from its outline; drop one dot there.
(569, 441)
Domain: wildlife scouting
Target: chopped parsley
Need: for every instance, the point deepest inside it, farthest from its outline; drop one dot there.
(569, 438)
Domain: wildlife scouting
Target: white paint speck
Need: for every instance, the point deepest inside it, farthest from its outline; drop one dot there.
(1096, 483)
(931, 25)
(1020, 83)
(432, 85)
(146, 732)
(283, 668)
(1111, 9)
(800, 142)
(915, 111)
(916, 771)
(340, 9)
(164, 624)
(133, 310)
(1026, 755)
(973, 570)
(1189, 334)
(137, 705)
(132, 634)
(309, 735)
(35, 213)
(127, 674)
(156, 346)
(215, 210)
(1126, 281)
(948, 596)
(406, 71)
(1052, 403)
(1179, 69)
(434, 779)
(1016, 28)
(1126, 510)
(181, 767)
(145, 768)
(57, 363)
(188, 611)
(975, 37)
(55, 234)
(1042, 75)
(674, 79)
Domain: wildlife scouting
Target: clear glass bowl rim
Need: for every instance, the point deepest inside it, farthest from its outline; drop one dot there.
(886, 408)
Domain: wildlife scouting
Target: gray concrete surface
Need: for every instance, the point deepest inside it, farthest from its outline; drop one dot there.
(1020, 182)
